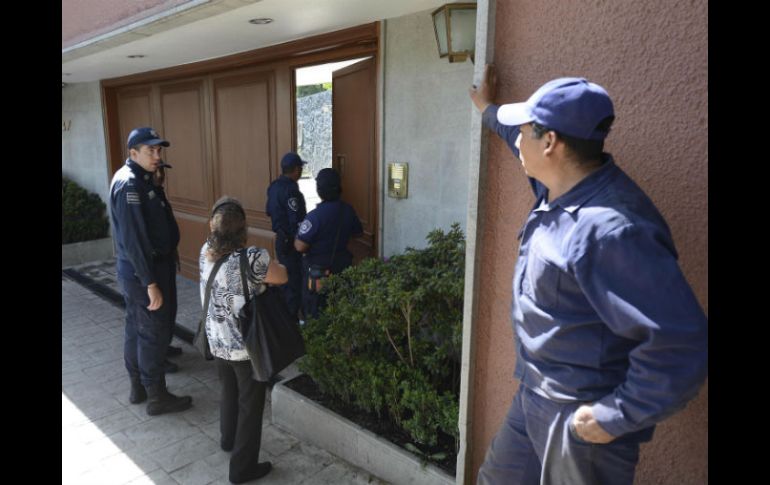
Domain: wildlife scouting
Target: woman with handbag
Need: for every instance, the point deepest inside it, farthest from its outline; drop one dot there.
(323, 239)
(243, 398)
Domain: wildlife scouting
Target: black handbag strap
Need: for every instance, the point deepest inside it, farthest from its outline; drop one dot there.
(337, 237)
(244, 263)
(211, 282)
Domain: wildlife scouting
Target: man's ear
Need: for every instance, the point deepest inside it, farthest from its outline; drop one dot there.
(549, 139)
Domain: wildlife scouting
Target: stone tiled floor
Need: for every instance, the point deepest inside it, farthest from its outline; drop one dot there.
(106, 440)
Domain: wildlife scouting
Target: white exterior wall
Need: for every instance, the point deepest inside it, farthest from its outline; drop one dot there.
(83, 152)
(427, 123)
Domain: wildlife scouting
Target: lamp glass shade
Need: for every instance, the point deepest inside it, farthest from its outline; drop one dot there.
(463, 29)
(439, 22)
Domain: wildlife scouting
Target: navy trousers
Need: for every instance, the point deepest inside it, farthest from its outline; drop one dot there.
(536, 445)
(292, 290)
(147, 333)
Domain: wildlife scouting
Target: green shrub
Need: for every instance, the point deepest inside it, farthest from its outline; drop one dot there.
(83, 214)
(389, 340)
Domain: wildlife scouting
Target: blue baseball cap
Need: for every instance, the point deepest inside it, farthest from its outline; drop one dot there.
(572, 106)
(145, 136)
(291, 159)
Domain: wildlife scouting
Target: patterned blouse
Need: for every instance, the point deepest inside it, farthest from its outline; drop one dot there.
(226, 300)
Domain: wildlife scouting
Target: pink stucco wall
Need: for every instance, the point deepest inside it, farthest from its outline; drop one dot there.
(84, 19)
(651, 56)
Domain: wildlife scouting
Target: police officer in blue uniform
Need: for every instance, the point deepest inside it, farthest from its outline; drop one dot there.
(332, 220)
(146, 236)
(286, 208)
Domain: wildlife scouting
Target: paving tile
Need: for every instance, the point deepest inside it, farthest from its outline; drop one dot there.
(182, 453)
(158, 477)
(160, 431)
(198, 473)
(339, 473)
(106, 440)
(276, 442)
(113, 423)
(118, 469)
(303, 461)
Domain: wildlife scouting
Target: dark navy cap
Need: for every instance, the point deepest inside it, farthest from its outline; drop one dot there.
(290, 160)
(327, 178)
(145, 136)
(572, 106)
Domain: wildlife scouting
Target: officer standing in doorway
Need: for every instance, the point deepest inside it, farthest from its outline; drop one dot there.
(146, 236)
(286, 209)
(323, 236)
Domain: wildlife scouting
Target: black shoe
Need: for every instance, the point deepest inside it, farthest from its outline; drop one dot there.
(138, 393)
(260, 471)
(161, 401)
(169, 367)
(172, 351)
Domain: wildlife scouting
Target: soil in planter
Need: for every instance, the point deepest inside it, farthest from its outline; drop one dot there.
(379, 425)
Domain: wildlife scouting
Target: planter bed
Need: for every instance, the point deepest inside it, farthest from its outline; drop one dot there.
(74, 254)
(309, 421)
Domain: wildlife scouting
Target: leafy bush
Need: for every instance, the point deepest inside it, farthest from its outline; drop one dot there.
(389, 340)
(83, 214)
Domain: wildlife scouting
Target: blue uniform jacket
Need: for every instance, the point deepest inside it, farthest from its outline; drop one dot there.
(143, 224)
(319, 230)
(601, 311)
(285, 206)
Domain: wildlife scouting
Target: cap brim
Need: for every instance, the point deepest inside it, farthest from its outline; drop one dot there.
(156, 141)
(514, 114)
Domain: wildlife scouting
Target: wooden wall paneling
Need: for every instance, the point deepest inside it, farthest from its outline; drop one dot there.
(243, 108)
(181, 108)
(194, 230)
(112, 131)
(182, 113)
(134, 110)
(244, 132)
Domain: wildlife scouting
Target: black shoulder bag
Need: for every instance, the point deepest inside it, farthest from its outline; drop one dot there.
(201, 340)
(270, 332)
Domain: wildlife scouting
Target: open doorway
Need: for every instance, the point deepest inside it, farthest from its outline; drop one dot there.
(313, 97)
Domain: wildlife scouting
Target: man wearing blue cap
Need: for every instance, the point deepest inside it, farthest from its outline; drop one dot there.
(286, 208)
(610, 339)
(146, 236)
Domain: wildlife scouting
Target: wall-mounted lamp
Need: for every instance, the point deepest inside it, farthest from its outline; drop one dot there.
(455, 27)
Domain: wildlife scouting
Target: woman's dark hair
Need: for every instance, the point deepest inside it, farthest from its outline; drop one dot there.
(582, 150)
(229, 228)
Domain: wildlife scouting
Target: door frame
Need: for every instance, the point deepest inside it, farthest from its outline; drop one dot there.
(376, 149)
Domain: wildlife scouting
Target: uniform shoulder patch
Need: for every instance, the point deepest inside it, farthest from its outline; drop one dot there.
(293, 204)
(305, 227)
(132, 197)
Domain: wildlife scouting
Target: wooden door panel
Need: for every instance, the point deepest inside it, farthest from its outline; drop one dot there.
(244, 133)
(134, 111)
(182, 111)
(354, 147)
